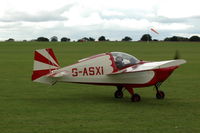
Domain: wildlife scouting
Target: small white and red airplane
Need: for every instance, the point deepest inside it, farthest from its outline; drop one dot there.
(114, 68)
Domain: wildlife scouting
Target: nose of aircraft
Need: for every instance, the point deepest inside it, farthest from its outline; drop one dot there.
(163, 73)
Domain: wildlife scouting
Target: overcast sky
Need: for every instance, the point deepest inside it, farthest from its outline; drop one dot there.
(29, 19)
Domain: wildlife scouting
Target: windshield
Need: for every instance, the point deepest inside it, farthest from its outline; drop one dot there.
(123, 59)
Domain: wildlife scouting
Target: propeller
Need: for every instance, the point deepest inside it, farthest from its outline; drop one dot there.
(177, 55)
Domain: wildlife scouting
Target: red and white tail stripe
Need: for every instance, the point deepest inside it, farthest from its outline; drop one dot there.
(44, 62)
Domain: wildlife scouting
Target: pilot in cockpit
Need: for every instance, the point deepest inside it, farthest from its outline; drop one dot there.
(123, 60)
(119, 62)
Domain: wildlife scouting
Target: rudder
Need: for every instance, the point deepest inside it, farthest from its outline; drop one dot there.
(45, 62)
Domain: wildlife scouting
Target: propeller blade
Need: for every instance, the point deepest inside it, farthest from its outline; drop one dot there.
(177, 55)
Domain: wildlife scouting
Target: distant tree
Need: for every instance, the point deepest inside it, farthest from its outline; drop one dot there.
(146, 37)
(167, 39)
(42, 39)
(102, 38)
(155, 40)
(176, 38)
(65, 39)
(54, 39)
(10, 40)
(182, 38)
(127, 38)
(85, 39)
(91, 39)
(194, 38)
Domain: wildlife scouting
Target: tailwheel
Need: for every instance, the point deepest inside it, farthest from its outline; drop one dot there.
(160, 95)
(135, 98)
(118, 92)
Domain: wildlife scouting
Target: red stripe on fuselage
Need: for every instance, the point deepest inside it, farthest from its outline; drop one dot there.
(115, 69)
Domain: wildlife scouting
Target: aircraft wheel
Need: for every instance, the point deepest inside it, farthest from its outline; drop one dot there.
(118, 94)
(135, 98)
(160, 95)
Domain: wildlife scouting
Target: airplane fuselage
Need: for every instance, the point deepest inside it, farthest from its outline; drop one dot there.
(95, 75)
(115, 68)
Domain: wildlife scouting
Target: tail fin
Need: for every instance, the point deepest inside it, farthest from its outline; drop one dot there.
(44, 63)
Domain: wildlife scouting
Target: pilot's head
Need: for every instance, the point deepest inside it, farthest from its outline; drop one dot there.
(119, 59)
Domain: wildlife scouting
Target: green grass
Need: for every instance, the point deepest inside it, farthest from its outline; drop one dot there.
(27, 107)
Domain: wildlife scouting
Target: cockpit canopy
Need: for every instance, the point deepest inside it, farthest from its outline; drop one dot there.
(123, 59)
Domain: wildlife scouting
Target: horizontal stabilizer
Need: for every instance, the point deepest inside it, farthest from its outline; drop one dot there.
(58, 74)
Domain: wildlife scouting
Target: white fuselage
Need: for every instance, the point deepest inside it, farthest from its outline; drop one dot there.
(142, 77)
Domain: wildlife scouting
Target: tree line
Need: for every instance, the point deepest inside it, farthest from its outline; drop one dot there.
(145, 37)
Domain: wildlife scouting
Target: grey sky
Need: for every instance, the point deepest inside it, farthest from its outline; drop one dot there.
(28, 19)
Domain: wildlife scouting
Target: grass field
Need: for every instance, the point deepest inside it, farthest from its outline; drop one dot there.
(27, 107)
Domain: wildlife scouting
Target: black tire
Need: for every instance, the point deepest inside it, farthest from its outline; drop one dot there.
(160, 95)
(135, 98)
(118, 94)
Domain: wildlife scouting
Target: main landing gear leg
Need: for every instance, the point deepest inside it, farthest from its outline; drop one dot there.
(134, 96)
(118, 92)
(159, 94)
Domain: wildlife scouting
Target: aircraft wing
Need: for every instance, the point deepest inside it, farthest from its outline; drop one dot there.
(152, 65)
